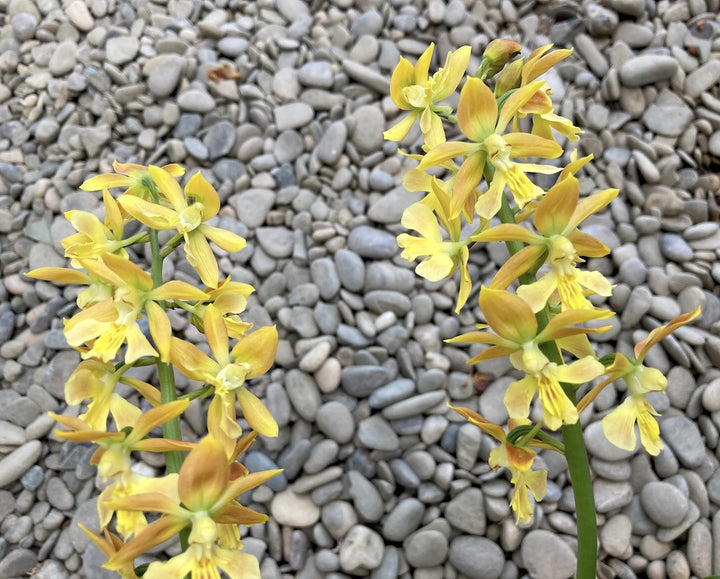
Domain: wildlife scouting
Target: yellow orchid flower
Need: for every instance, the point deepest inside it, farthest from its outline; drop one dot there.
(230, 299)
(204, 500)
(252, 356)
(559, 244)
(187, 218)
(112, 456)
(443, 256)
(135, 178)
(106, 325)
(544, 377)
(619, 425)
(517, 460)
(480, 122)
(412, 90)
(95, 381)
(515, 327)
(516, 334)
(94, 238)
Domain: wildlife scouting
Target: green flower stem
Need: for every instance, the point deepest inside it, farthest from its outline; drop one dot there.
(575, 453)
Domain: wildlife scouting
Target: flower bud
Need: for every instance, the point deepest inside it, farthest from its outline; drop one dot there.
(496, 56)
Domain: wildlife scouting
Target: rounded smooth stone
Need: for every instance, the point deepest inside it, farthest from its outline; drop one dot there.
(466, 511)
(335, 421)
(376, 433)
(15, 464)
(426, 548)
(365, 496)
(403, 519)
(663, 503)
(477, 557)
(294, 510)
(647, 69)
(616, 534)
(547, 556)
(361, 550)
(338, 517)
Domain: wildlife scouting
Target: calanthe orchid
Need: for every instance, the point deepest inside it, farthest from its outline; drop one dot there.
(96, 381)
(444, 256)
(187, 214)
(112, 456)
(101, 330)
(412, 90)
(204, 501)
(516, 334)
(252, 356)
(95, 238)
(619, 425)
(480, 122)
(517, 460)
(559, 244)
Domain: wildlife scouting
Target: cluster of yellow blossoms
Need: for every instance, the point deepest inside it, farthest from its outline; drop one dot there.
(539, 324)
(197, 498)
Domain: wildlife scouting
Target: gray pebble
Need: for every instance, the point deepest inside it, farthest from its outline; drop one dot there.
(303, 393)
(15, 464)
(683, 436)
(403, 519)
(426, 548)
(362, 550)
(366, 498)
(481, 558)
(372, 243)
(292, 115)
(376, 433)
(335, 421)
(664, 503)
(647, 69)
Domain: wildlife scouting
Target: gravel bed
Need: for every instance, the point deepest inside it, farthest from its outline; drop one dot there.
(282, 105)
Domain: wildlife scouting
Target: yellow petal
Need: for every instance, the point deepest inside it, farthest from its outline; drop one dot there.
(256, 414)
(508, 232)
(477, 110)
(216, 334)
(508, 315)
(59, 275)
(168, 186)
(201, 257)
(401, 129)
(402, 76)
(128, 271)
(446, 80)
(466, 180)
(556, 208)
(113, 217)
(151, 214)
(192, 361)
(420, 218)
(445, 152)
(641, 348)
(432, 128)
(204, 475)
(201, 191)
(591, 205)
(619, 425)
(586, 245)
(156, 417)
(580, 371)
(514, 102)
(223, 238)
(178, 290)
(107, 181)
(527, 145)
(518, 264)
(423, 65)
(518, 396)
(160, 328)
(488, 203)
(258, 350)
(537, 294)
(649, 429)
(154, 534)
(435, 267)
(482, 423)
(138, 345)
(245, 483)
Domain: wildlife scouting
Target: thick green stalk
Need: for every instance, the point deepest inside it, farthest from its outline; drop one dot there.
(575, 452)
(171, 429)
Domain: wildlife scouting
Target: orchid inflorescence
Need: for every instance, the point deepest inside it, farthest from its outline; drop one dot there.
(537, 305)
(197, 498)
